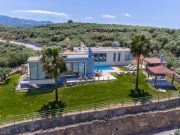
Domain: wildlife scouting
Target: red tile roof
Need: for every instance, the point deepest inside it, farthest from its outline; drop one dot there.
(153, 60)
(161, 70)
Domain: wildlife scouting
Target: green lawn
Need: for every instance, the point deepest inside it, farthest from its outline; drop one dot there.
(14, 103)
(123, 68)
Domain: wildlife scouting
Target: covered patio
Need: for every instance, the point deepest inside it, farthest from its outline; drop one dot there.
(159, 81)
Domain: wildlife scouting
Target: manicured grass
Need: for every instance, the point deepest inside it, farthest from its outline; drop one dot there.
(123, 68)
(14, 103)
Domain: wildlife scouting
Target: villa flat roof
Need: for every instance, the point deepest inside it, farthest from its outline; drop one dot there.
(37, 58)
(110, 49)
(34, 59)
(102, 49)
(77, 56)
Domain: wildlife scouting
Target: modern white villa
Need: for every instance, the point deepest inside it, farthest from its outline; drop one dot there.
(108, 56)
(81, 62)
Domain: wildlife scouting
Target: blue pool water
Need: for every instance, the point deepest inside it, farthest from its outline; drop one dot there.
(103, 68)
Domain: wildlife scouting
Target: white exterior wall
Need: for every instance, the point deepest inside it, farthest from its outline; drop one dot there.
(45, 81)
(109, 59)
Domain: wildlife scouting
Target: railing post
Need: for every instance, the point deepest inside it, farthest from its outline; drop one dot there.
(122, 102)
(95, 108)
(65, 112)
(14, 120)
(158, 97)
(169, 96)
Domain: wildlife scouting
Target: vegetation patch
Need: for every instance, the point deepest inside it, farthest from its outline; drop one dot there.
(12, 55)
(68, 35)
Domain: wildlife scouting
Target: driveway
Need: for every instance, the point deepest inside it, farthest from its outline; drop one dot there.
(23, 44)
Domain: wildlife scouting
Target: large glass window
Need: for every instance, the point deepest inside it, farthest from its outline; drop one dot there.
(119, 56)
(33, 71)
(41, 74)
(100, 57)
(128, 57)
(114, 57)
(81, 68)
(75, 68)
(69, 66)
(36, 71)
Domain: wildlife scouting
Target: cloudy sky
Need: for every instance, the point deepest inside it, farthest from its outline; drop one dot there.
(161, 13)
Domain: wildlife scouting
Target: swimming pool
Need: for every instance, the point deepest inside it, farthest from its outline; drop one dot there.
(102, 68)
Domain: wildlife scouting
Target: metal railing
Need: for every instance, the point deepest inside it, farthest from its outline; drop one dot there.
(85, 108)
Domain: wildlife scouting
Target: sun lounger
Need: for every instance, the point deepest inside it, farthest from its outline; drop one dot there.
(132, 69)
(120, 73)
(162, 90)
(128, 66)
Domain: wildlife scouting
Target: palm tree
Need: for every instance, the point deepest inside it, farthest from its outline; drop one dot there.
(139, 46)
(53, 65)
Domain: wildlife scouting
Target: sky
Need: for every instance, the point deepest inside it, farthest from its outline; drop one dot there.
(158, 13)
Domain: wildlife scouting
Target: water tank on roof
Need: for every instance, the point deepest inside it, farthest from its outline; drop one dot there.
(115, 44)
(162, 58)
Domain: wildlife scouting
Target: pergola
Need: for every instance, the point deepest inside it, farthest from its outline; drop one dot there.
(159, 71)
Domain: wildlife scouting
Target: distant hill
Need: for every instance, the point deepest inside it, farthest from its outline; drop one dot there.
(16, 22)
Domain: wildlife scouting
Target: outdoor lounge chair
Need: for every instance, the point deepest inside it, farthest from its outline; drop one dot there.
(128, 66)
(132, 68)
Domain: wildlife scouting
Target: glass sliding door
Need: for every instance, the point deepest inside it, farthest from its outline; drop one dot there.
(75, 68)
(82, 68)
(33, 71)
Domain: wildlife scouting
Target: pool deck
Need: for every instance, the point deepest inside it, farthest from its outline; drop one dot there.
(106, 74)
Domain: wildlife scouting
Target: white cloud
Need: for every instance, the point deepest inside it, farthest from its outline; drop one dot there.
(108, 16)
(88, 18)
(50, 13)
(126, 15)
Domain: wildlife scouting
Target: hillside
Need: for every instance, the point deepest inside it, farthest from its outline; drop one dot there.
(163, 41)
(16, 22)
(12, 55)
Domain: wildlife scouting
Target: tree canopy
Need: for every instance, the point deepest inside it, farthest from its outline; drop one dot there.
(68, 35)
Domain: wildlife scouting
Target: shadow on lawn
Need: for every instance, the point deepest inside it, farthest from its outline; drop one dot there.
(5, 82)
(52, 109)
(38, 92)
(140, 95)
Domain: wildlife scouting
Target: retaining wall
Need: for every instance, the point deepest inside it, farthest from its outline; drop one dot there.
(127, 125)
(61, 121)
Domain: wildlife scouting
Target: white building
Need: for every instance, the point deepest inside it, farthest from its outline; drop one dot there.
(108, 56)
(82, 61)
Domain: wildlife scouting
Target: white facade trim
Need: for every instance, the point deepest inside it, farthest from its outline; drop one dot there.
(45, 81)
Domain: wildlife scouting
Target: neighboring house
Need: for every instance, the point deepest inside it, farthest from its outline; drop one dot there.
(153, 61)
(80, 62)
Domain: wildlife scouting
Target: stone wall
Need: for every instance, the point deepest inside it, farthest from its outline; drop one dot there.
(130, 124)
(61, 121)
